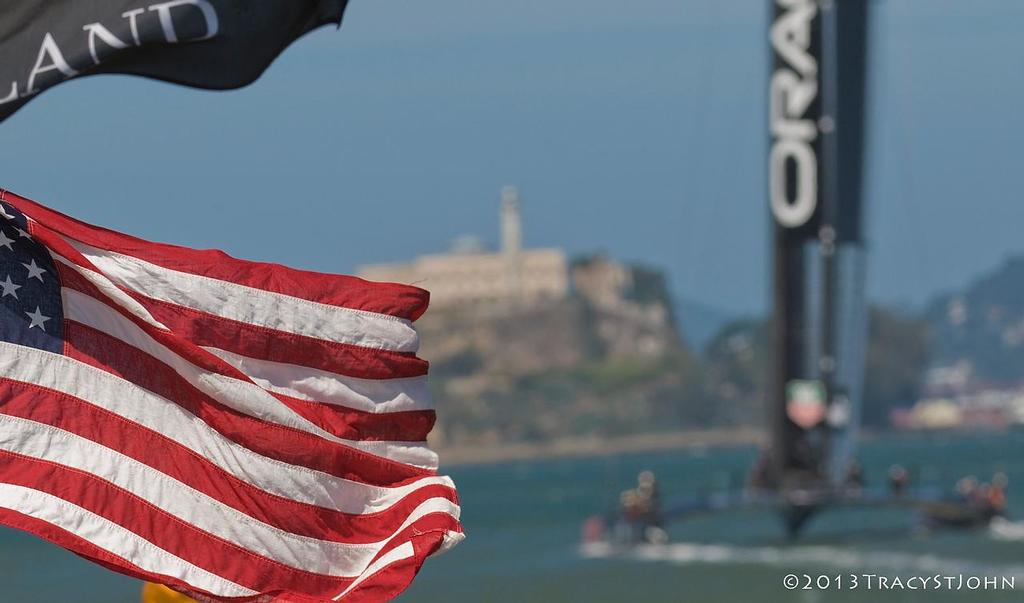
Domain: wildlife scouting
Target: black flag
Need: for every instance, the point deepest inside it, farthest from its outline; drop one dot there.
(216, 44)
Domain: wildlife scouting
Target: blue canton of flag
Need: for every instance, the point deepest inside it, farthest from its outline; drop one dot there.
(31, 313)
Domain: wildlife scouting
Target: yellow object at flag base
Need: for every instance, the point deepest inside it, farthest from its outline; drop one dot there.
(158, 593)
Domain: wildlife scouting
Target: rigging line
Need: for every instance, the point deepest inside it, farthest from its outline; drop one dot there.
(699, 125)
(723, 164)
(907, 198)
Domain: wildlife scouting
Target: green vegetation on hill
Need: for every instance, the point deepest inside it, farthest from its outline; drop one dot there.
(596, 398)
(899, 352)
(589, 367)
(737, 365)
(678, 390)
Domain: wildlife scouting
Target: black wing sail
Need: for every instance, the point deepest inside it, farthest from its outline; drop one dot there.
(816, 116)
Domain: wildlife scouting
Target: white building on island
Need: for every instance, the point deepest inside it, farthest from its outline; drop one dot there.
(470, 275)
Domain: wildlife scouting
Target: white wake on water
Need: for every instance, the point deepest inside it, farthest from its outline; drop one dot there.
(1004, 529)
(833, 557)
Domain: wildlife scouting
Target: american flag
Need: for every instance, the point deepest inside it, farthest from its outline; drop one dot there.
(236, 430)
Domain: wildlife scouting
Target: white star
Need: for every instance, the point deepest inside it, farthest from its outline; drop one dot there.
(23, 234)
(37, 319)
(9, 288)
(35, 271)
(3, 212)
(5, 241)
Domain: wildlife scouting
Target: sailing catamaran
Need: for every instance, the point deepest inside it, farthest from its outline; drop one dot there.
(816, 105)
(815, 166)
(815, 179)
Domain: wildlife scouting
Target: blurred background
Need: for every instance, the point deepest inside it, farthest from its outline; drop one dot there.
(620, 152)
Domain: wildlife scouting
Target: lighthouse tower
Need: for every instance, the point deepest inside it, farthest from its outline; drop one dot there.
(511, 222)
(512, 242)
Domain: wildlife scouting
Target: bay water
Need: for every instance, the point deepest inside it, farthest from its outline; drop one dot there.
(523, 522)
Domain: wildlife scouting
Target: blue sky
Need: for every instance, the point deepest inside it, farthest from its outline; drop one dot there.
(634, 128)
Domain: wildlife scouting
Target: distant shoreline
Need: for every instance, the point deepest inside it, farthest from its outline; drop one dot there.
(647, 442)
(593, 446)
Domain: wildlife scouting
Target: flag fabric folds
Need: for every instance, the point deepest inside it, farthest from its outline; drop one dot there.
(217, 44)
(239, 431)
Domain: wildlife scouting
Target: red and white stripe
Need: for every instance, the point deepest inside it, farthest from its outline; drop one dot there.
(237, 430)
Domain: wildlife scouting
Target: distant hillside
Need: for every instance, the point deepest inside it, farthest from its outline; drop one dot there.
(983, 324)
(700, 322)
(618, 356)
(736, 363)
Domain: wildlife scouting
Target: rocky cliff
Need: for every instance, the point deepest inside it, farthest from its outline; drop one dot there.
(606, 359)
